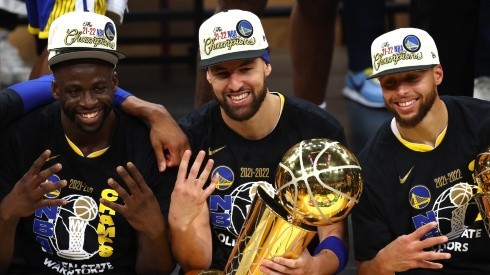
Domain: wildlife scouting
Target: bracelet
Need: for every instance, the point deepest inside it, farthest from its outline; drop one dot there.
(336, 245)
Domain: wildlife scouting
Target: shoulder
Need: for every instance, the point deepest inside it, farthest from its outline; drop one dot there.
(302, 110)
(311, 120)
(200, 116)
(199, 122)
(131, 124)
(469, 114)
(36, 120)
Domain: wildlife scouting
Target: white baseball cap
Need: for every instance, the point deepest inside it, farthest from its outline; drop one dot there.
(403, 50)
(79, 35)
(231, 35)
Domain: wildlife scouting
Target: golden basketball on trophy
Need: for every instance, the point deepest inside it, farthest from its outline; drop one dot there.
(319, 181)
(482, 178)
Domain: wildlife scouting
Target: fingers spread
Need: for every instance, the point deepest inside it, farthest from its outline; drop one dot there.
(181, 176)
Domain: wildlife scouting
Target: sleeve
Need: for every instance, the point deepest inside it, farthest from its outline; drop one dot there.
(34, 93)
(120, 96)
(37, 92)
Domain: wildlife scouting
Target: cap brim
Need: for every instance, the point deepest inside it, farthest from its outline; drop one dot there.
(402, 70)
(109, 56)
(231, 57)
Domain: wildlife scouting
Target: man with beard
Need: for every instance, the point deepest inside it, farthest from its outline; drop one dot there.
(416, 214)
(69, 212)
(246, 131)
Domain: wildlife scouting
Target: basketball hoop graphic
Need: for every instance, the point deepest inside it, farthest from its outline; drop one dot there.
(85, 210)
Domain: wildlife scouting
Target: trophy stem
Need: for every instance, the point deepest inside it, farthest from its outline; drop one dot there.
(483, 202)
(267, 234)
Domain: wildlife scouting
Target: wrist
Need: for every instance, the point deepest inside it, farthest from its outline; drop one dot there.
(155, 113)
(378, 264)
(6, 215)
(337, 246)
(177, 224)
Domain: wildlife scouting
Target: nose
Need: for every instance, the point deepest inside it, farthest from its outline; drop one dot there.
(403, 89)
(88, 99)
(235, 82)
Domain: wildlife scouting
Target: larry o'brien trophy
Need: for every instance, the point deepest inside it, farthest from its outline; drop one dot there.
(482, 177)
(319, 182)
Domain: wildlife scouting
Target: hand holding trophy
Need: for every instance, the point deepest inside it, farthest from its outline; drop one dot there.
(319, 181)
(482, 177)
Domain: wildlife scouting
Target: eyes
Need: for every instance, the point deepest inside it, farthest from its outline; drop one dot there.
(392, 82)
(224, 74)
(74, 91)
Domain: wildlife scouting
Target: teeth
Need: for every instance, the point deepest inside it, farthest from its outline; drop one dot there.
(238, 97)
(404, 104)
(91, 115)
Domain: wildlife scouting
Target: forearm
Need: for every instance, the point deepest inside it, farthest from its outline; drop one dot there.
(8, 225)
(154, 254)
(191, 247)
(372, 266)
(145, 110)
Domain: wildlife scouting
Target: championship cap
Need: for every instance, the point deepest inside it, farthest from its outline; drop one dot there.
(78, 35)
(403, 50)
(231, 35)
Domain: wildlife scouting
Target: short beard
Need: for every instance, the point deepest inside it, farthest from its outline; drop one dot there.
(254, 108)
(421, 114)
(73, 114)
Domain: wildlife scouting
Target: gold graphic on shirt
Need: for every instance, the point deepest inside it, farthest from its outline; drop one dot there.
(402, 180)
(212, 152)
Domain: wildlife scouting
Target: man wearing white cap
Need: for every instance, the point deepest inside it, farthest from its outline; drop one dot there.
(416, 214)
(246, 131)
(69, 212)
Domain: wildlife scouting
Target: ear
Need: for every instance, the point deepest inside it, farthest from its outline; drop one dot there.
(438, 74)
(208, 77)
(55, 90)
(115, 80)
(267, 69)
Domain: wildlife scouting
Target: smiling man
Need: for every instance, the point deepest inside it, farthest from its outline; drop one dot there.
(408, 220)
(246, 131)
(94, 200)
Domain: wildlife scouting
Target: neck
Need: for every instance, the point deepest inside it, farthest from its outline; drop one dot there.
(427, 131)
(90, 142)
(262, 123)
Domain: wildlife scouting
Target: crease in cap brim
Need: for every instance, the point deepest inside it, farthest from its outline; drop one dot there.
(231, 57)
(402, 70)
(110, 56)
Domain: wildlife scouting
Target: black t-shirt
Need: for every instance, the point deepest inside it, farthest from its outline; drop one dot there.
(405, 189)
(83, 236)
(243, 164)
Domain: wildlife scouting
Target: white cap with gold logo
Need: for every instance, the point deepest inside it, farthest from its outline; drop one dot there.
(80, 35)
(231, 35)
(403, 50)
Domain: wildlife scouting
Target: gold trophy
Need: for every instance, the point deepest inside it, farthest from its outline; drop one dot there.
(319, 182)
(482, 177)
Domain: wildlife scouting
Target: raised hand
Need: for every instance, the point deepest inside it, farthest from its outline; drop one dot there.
(140, 206)
(189, 197)
(29, 192)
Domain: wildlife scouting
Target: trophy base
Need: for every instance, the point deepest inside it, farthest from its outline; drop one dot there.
(74, 255)
(205, 272)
